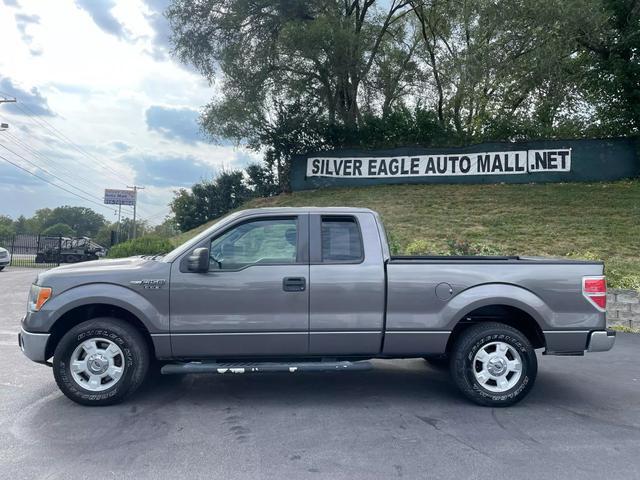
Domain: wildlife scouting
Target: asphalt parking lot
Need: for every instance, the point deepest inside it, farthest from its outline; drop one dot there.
(402, 419)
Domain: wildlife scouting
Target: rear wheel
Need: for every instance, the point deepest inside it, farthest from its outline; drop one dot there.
(101, 361)
(493, 364)
(1, 268)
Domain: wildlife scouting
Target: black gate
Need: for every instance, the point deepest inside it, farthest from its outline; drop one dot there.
(31, 250)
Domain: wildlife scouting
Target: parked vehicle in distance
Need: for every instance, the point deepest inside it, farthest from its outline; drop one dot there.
(5, 258)
(68, 250)
(307, 289)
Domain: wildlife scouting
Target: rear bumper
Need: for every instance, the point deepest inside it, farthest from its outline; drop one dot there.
(601, 341)
(33, 345)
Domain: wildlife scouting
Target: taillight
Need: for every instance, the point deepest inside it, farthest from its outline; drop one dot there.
(594, 289)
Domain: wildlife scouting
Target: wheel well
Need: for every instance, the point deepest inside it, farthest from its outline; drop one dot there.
(86, 312)
(512, 316)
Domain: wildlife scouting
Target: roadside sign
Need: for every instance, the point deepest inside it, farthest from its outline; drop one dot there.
(119, 197)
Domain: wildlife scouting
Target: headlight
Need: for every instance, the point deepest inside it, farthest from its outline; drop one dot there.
(37, 297)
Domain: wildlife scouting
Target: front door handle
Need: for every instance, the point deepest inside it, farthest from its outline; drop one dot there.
(294, 284)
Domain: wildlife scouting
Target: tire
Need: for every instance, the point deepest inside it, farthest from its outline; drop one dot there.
(131, 356)
(439, 362)
(476, 367)
(1, 268)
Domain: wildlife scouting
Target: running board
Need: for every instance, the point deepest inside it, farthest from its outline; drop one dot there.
(261, 367)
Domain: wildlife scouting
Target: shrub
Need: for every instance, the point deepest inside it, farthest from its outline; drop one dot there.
(394, 244)
(616, 278)
(423, 247)
(464, 247)
(149, 245)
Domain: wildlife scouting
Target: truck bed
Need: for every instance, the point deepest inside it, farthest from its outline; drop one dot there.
(413, 259)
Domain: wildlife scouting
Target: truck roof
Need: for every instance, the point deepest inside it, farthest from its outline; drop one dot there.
(294, 210)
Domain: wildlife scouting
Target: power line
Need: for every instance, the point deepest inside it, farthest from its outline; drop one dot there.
(54, 184)
(157, 214)
(71, 142)
(49, 160)
(38, 154)
(61, 136)
(47, 171)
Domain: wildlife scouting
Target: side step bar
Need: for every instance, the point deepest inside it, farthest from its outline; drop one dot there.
(261, 367)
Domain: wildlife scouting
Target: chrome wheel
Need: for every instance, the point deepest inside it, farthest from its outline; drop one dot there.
(497, 367)
(97, 364)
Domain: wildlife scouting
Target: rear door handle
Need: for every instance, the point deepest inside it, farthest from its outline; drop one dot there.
(294, 284)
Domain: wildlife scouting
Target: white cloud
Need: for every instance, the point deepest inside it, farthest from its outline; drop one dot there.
(100, 67)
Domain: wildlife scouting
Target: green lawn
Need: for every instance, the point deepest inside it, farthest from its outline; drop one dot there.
(591, 220)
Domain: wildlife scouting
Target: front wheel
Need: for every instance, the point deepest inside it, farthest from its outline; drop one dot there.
(100, 361)
(493, 364)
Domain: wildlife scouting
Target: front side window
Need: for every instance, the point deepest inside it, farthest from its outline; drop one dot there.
(341, 241)
(266, 241)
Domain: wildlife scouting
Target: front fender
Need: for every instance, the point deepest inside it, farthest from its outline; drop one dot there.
(496, 294)
(150, 306)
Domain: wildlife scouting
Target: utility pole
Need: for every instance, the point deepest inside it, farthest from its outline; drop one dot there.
(135, 194)
(118, 230)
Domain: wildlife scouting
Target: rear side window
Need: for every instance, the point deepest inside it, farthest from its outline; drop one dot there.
(341, 240)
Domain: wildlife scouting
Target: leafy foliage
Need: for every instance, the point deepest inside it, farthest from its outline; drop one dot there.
(209, 199)
(61, 229)
(147, 245)
(305, 76)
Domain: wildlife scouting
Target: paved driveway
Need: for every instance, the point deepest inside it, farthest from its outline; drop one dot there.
(400, 420)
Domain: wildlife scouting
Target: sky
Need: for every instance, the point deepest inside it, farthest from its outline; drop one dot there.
(101, 103)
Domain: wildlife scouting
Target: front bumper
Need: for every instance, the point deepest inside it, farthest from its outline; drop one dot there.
(34, 345)
(601, 341)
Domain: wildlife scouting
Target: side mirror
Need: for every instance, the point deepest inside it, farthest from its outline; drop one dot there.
(198, 261)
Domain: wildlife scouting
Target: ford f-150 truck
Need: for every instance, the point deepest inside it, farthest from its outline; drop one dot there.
(308, 289)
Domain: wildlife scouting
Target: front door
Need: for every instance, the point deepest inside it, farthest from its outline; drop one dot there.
(253, 301)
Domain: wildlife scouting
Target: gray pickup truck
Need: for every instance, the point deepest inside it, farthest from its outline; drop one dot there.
(308, 289)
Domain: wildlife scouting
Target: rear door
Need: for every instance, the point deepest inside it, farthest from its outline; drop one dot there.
(347, 285)
(254, 300)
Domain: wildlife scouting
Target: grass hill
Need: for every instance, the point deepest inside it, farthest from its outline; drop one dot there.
(587, 220)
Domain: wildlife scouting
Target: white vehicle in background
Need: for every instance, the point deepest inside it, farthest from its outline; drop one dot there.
(5, 258)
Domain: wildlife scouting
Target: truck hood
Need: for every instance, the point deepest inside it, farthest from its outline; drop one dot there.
(119, 271)
(100, 265)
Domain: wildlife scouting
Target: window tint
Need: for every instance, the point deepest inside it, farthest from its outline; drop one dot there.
(260, 241)
(341, 240)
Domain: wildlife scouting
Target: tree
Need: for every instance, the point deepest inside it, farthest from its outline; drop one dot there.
(261, 180)
(607, 33)
(20, 224)
(209, 199)
(61, 229)
(166, 229)
(7, 228)
(84, 221)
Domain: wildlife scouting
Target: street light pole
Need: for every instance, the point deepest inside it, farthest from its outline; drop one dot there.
(135, 203)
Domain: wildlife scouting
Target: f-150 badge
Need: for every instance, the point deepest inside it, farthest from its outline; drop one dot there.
(150, 284)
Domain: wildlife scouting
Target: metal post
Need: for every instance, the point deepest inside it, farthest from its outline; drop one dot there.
(118, 229)
(135, 204)
(13, 248)
(59, 251)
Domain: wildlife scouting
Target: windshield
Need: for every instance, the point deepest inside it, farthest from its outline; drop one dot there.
(189, 244)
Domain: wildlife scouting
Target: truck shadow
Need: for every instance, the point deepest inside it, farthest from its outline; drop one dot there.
(409, 380)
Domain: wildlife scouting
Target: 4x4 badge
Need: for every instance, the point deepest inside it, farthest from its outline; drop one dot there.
(152, 284)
